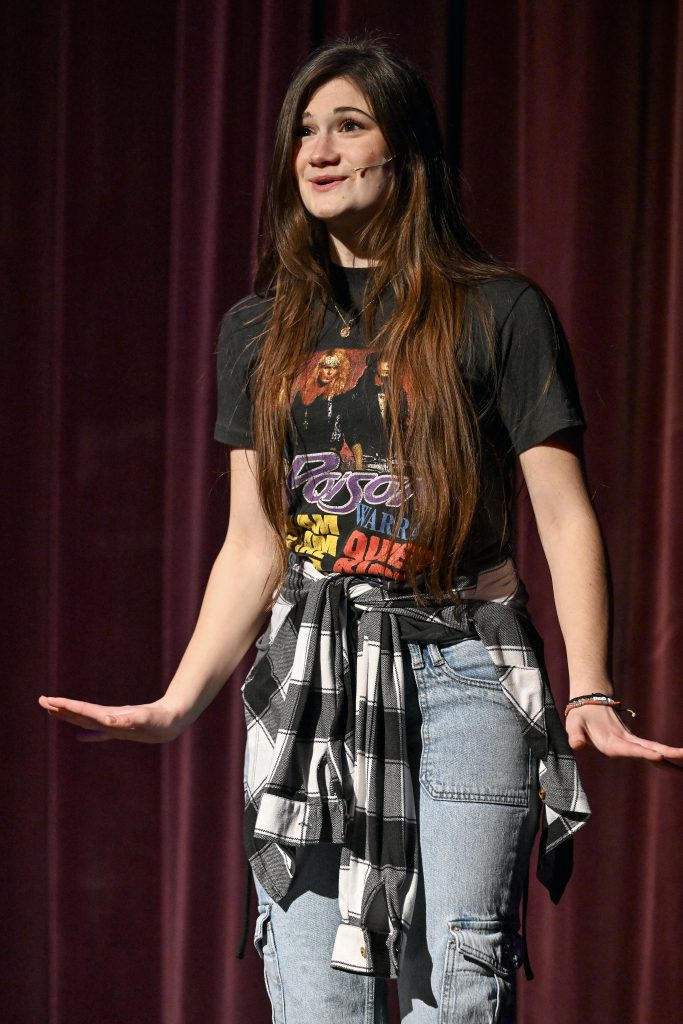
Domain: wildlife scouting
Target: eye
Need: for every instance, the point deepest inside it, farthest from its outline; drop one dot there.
(349, 125)
(303, 131)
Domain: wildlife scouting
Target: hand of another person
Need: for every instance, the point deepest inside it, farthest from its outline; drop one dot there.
(602, 728)
(157, 722)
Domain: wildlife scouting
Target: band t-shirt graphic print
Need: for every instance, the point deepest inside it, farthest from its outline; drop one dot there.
(343, 496)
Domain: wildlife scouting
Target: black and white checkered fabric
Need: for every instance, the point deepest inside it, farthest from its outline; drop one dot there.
(326, 744)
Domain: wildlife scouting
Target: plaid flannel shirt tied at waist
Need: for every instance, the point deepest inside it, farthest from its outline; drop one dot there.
(327, 757)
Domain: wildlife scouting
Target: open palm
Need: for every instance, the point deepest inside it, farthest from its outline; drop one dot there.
(143, 723)
(602, 728)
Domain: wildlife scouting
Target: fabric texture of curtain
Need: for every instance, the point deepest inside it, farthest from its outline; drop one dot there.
(137, 141)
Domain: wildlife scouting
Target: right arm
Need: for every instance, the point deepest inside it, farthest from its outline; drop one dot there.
(233, 613)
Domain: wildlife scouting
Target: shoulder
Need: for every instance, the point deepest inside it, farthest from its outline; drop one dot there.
(513, 298)
(243, 327)
(248, 316)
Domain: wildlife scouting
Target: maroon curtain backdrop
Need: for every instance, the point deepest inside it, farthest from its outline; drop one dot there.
(136, 142)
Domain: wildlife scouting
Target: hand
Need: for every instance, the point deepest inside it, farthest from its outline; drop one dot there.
(144, 723)
(602, 727)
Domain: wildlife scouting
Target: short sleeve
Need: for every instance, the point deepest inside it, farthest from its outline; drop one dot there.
(235, 361)
(537, 391)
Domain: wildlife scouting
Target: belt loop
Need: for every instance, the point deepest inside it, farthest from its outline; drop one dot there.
(416, 655)
(435, 655)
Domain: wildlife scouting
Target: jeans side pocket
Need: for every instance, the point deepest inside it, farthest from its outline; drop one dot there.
(470, 662)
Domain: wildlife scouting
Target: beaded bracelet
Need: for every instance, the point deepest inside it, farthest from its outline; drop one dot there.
(596, 698)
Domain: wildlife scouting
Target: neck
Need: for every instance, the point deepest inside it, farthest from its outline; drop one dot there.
(345, 251)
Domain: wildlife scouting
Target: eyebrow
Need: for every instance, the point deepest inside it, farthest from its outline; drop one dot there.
(342, 110)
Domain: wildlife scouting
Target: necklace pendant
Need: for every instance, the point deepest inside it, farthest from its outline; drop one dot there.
(345, 331)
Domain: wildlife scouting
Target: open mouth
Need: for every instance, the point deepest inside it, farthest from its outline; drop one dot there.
(326, 182)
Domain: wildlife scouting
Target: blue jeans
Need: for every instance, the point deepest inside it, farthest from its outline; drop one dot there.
(476, 794)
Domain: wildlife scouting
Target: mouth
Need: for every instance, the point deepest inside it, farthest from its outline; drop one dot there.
(325, 182)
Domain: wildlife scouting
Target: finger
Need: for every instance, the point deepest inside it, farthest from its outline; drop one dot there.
(616, 747)
(84, 721)
(577, 733)
(637, 744)
(99, 718)
(674, 753)
(634, 751)
(578, 740)
(80, 707)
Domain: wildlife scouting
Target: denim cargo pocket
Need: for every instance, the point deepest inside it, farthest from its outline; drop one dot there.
(472, 743)
(260, 929)
(478, 981)
(265, 947)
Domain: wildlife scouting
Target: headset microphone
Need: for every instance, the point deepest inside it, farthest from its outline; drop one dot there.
(381, 163)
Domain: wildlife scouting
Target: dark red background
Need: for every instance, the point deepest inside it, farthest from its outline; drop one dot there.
(135, 139)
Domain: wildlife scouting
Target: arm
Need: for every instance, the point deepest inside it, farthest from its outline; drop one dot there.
(232, 614)
(573, 547)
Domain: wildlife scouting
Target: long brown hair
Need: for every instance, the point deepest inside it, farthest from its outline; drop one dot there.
(420, 247)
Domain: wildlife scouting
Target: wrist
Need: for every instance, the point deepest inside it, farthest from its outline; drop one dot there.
(178, 711)
(590, 684)
(596, 699)
(189, 693)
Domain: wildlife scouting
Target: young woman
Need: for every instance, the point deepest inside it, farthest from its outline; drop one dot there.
(375, 391)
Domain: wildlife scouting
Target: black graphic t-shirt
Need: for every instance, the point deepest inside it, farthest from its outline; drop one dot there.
(343, 495)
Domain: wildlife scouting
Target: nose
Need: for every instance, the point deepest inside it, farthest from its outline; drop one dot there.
(323, 151)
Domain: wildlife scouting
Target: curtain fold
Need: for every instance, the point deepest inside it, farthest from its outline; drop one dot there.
(85, 165)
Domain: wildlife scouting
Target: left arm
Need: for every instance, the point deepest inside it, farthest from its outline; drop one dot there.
(573, 547)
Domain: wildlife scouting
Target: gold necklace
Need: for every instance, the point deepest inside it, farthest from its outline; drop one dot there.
(348, 324)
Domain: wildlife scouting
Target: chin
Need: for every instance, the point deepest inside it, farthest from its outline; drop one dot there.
(342, 219)
(326, 210)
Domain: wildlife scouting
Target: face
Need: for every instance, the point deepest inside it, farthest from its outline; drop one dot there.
(339, 134)
(327, 370)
